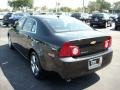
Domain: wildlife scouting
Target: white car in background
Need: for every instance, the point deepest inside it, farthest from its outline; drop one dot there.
(2, 14)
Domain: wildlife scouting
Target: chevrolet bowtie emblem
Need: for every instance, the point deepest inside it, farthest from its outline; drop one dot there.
(93, 42)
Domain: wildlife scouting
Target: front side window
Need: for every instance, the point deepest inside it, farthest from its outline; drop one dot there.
(66, 24)
(20, 23)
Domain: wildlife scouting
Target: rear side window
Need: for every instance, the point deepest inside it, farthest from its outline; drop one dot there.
(30, 25)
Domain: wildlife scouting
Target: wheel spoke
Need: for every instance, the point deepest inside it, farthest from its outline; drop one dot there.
(37, 69)
(32, 62)
(9, 42)
(33, 68)
(34, 59)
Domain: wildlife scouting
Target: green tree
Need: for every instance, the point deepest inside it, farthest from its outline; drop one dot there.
(102, 5)
(92, 6)
(78, 9)
(44, 8)
(116, 5)
(65, 9)
(99, 5)
(19, 4)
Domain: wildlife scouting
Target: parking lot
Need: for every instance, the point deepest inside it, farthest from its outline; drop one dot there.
(15, 73)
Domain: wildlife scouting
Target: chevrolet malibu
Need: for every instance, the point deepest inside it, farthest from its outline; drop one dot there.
(61, 44)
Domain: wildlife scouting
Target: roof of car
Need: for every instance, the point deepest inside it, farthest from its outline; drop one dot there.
(49, 16)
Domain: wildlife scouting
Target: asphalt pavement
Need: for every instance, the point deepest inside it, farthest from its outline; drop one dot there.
(15, 71)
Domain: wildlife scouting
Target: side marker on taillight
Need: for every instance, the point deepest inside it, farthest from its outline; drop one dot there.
(107, 43)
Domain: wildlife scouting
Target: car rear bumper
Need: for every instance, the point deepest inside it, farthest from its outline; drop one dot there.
(75, 67)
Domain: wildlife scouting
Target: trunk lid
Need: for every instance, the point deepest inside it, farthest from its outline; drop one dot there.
(89, 42)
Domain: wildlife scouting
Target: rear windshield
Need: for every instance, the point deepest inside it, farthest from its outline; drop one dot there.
(66, 24)
(97, 15)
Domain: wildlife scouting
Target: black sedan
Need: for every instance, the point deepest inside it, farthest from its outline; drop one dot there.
(16, 16)
(61, 44)
(117, 23)
(101, 19)
(6, 19)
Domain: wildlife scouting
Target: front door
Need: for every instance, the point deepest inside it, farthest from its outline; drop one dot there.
(26, 35)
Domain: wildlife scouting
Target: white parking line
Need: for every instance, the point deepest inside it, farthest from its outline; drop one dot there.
(4, 83)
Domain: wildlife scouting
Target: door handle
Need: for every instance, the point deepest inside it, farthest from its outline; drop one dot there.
(27, 36)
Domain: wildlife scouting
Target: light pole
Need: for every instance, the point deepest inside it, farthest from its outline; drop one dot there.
(83, 6)
(112, 6)
(57, 6)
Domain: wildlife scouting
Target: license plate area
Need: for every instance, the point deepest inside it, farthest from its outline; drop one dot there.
(94, 63)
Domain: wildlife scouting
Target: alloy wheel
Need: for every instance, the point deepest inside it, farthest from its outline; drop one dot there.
(34, 65)
(9, 42)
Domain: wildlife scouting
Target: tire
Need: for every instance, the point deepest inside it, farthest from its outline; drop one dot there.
(118, 28)
(10, 43)
(115, 27)
(7, 25)
(36, 68)
(110, 24)
(91, 25)
(105, 25)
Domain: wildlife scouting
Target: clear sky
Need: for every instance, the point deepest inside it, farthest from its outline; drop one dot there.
(52, 3)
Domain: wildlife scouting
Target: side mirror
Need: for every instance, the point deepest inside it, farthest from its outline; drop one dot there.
(14, 26)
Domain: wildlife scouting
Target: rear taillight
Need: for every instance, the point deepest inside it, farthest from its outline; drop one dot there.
(107, 43)
(69, 50)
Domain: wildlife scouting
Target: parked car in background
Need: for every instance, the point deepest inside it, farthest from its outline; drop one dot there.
(43, 13)
(85, 17)
(6, 19)
(117, 23)
(81, 16)
(76, 15)
(63, 13)
(113, 17)
(2, 15)
(16, 16)
(61, 44)
(100, 19)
